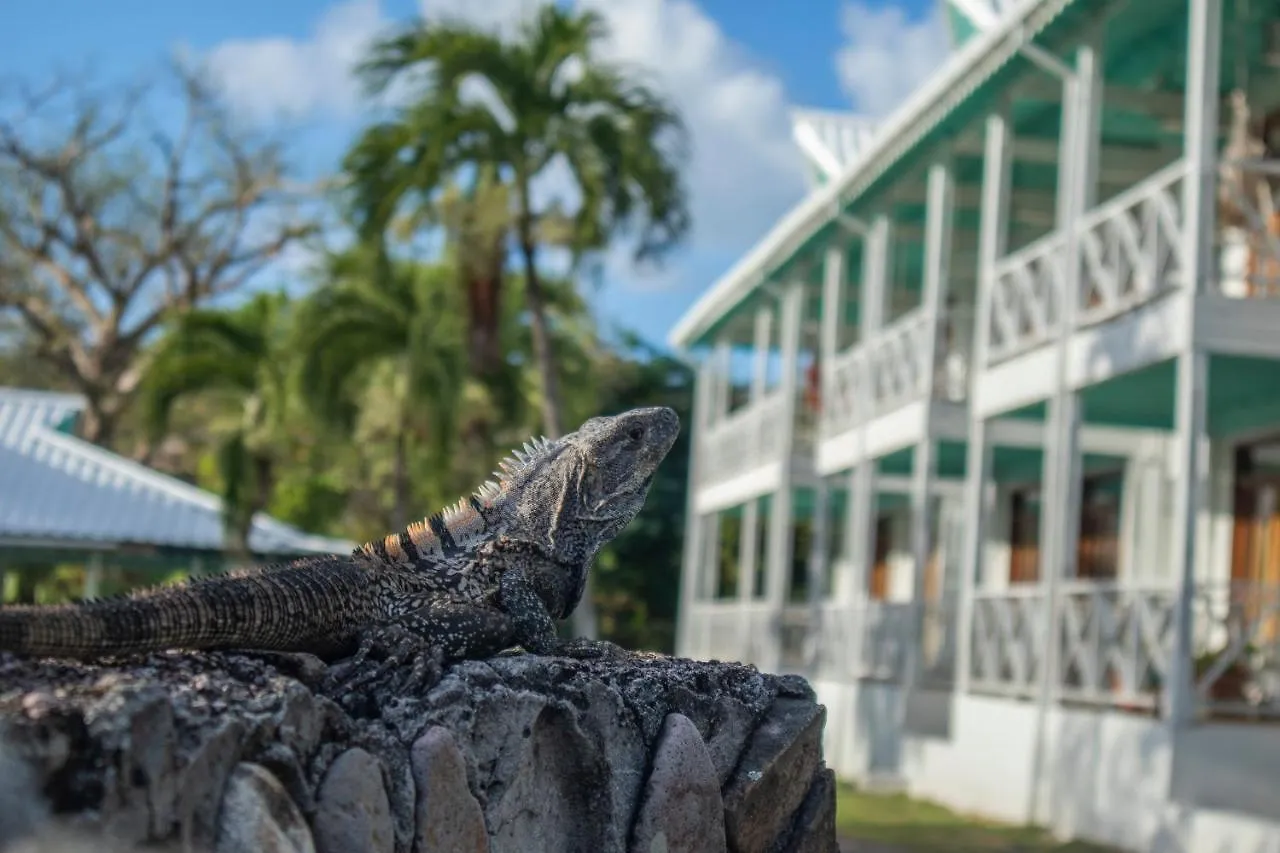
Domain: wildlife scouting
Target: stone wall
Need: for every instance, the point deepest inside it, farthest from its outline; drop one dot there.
(224, 752)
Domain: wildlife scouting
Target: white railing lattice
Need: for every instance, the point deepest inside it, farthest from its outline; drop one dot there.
(1131, 247)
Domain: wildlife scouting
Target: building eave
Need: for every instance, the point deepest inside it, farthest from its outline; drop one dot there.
(962, 73)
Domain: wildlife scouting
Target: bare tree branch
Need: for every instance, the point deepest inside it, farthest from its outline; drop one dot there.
(111, 221)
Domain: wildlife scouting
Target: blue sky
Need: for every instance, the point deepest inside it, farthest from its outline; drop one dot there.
(733, 66)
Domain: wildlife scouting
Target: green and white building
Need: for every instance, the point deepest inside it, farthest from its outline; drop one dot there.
(987, 428)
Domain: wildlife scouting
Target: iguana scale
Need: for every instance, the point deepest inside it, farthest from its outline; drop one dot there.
(495, 570)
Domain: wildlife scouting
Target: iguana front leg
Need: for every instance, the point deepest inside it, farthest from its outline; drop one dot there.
(535, 630)
(421, 642)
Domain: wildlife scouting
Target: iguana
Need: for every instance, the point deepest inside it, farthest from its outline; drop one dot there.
(491, 572)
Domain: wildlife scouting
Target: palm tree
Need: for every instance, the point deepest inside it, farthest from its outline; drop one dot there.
(240, 359)
(375, 319)
(550, 100)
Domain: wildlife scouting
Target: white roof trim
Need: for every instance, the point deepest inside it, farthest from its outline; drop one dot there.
(963, 72)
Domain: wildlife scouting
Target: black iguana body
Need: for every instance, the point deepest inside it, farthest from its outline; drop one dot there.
(493, 571)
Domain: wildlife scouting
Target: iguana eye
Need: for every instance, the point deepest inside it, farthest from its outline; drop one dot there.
(636, 433)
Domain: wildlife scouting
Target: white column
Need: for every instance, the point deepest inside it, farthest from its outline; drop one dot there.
(778, 560)
(817, 571)
(93, 576)
(748, 557)
(938, 222)
(1060, 501)
(992, 236)
(694, 539)
(833, 299)
(1204, 55)
(760, 354)
(877, 274)
(862, 500)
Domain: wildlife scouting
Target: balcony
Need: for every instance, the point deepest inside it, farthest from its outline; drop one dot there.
(749, 445)
(1115, 642)
(889, 371)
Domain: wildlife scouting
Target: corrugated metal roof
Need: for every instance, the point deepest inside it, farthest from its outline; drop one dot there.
(57, 488)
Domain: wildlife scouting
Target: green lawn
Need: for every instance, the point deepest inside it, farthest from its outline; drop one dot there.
(898, 821)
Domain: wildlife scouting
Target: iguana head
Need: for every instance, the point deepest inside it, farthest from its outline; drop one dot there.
(590, 484)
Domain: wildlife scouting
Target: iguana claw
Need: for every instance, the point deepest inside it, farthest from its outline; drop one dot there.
(385, 651)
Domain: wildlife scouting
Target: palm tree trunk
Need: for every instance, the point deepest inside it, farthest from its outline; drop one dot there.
(552, 405)
(584, 615)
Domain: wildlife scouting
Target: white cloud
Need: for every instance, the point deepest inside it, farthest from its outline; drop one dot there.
(270, 77)
(888, 55)
(744, 170)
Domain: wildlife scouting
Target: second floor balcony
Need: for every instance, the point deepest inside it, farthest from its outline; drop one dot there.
(744, 451)
(892, 369)
(1129, 252)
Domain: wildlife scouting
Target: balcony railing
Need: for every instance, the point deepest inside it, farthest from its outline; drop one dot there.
(750, 437)
(1237, 648)
(1115, 643)
(1131, 247)
(1131, 250)
(729, 631)
(1026, 297)
(889, 371)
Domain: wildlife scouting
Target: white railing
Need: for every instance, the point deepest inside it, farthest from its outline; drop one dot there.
(856, 641)
(844, 387)
(835, 641)
(887, 628)
(1008, 641)
(794, 635)
(938, 639)
(751, 436)
(1249, 220)
(729, 630)
(1115, 641)
(1026, 297)
(876, 376)
(896, 362)
(1237, 648)
(883, 374)
(1131, 247)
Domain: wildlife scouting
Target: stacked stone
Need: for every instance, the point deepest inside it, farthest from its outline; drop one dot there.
(218, 753)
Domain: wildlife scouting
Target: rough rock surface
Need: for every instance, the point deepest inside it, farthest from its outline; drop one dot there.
(225, 752)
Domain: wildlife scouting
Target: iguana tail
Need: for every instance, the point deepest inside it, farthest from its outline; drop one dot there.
(297, 607)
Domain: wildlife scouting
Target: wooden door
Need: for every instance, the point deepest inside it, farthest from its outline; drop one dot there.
(1098, 547)
(878, 588)
(1024, 535)
(1255, 546)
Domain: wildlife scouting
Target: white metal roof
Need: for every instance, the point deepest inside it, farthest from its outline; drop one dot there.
(58, 489)
(832, 141)
(962, 73)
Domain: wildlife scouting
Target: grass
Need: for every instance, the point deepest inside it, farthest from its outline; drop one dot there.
(898, 821)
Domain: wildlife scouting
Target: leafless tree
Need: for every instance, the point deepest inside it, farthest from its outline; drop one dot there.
(119, 208)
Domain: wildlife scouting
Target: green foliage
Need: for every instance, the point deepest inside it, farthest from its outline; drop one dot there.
(551, 102)
(236, 359)
(396, 383)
